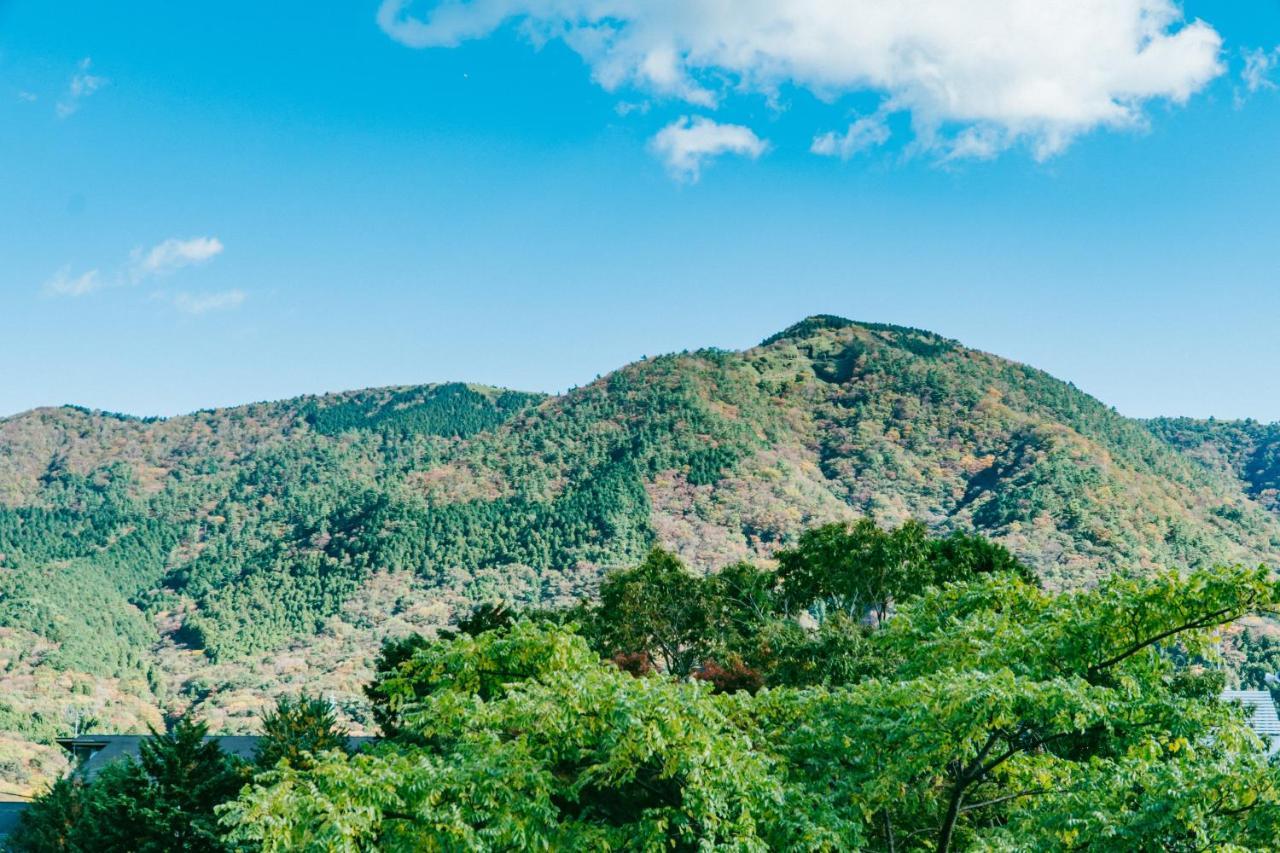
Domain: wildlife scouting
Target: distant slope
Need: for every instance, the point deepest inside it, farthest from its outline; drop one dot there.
(213, 559)
(1246, 451)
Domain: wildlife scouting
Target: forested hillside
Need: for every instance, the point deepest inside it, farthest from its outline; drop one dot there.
(1245, 450)
(211, 561)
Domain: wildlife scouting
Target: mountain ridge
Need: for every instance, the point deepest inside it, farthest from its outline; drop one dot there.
(217, 550)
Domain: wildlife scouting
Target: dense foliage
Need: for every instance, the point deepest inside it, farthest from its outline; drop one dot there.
(860, 569)
(163, 803)
(452, 409)
(167, 800)
(885, 690)
(984, 713)
(1246, 449)
(153, 566)
(70, 573)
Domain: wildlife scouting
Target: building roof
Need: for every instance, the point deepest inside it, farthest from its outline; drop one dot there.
(1263, 718)
(105, 749)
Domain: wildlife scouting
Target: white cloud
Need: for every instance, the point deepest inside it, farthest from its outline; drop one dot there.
(203, 303)
(28, 97)
(626, 108)
(174, 254)
(1256, 74)
(82, 85)
(1010, 71)
(864, 133)
(983, 142)
(158, 261)
(63, 283)
(687, 144)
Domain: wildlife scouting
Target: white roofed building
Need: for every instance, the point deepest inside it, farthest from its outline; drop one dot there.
(1262, 717)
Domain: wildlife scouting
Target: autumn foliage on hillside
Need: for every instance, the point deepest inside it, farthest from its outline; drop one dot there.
(208, 564)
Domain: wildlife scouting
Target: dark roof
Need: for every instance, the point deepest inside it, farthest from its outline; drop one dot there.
(9, 814)
(108, 748)
(1263, 718)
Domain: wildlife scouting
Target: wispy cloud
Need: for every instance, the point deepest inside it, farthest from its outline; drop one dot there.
(83, 84)
(63, 283)
(28, 97)
(626, 108)
(172, 255)
(974, 76)
(864, 133)
(203, 303)
(687, 144)
(1256, 74)
(158, 262)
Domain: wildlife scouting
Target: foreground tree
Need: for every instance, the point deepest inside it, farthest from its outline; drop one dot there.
(51, 823)
(1016, 717)
(862, 570)
(525, 740)
(163, 802)
(990, 715)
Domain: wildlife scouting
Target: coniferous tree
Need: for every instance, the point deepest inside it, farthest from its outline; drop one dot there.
(298, 729)
(165, 801)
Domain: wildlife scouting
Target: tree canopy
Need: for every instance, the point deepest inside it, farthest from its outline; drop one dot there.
(944, 701)
(980, 712)
(160, 803)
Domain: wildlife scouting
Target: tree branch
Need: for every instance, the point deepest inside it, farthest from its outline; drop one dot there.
(888, 831)
(997, 800)
(1208, 620)
(1014, 750)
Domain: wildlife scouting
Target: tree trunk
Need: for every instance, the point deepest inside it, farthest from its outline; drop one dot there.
(949, 822)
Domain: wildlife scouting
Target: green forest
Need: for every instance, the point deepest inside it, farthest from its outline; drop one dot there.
(205, 565)
(882, 689)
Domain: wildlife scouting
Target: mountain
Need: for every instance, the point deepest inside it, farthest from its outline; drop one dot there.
(210, 561)
(1246, 452)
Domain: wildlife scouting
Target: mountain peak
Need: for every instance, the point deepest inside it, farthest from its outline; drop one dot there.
(814, 325)
(810, 326)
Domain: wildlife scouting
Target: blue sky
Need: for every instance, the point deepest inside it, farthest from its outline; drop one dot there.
(206, 205)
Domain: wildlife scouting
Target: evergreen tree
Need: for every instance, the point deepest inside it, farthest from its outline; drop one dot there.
(298, 729)
(162, 803)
